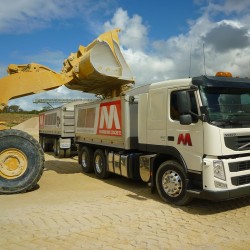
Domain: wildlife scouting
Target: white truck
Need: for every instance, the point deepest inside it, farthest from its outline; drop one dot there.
(57, 130)
(188, 137)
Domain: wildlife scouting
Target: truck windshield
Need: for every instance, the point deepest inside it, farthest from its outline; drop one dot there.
(227, 107)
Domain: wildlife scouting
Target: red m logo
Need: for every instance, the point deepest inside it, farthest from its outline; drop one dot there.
(185, 140)
(110, 119)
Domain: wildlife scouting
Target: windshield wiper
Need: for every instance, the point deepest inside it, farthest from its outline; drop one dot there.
(232, 122)
(226, 122)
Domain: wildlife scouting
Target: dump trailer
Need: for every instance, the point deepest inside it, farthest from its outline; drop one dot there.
(57, 129)
(98, 68)
(187, 138)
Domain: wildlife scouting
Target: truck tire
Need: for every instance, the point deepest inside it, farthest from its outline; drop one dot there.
(44, 145)
(21, 161)
(86, 159)
(100, 165)
(171, 183)
(59, 152)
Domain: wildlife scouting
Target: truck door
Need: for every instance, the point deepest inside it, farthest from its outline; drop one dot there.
(187, 139)
(156, 119)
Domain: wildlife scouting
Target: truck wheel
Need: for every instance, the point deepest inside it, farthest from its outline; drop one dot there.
(100, 166)
(171, 182)
(57, 151)
(86, 159)
(21, 161)
(43, 143)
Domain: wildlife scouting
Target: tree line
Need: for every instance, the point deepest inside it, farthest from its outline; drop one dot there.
(18, 109)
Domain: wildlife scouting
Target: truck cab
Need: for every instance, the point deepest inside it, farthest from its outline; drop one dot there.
(199, 129)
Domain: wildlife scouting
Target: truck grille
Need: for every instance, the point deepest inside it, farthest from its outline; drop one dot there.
(238, 143)
(239, 166)
(241, 180)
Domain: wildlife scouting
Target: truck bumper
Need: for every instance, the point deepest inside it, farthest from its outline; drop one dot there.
(220, 195)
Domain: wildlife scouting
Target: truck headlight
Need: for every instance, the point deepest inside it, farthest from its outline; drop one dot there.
(219, 171)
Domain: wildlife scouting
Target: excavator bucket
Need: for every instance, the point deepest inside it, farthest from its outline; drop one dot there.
(99, 68)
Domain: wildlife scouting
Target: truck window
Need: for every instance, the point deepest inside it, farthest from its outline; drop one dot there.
(227, 107)
(174, 113)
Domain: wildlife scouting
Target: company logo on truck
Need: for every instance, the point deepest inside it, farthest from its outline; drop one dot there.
(184, 139)
(109, 122)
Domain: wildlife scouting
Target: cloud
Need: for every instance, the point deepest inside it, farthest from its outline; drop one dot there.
(133, 31)
(225, 37)
(23, 16)
(225, 42)
(228, 7)
(51, 59)
(148, 68)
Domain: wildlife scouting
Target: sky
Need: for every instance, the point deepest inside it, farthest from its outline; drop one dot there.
(159, 39)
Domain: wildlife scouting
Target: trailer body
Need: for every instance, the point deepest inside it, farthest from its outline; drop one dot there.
(57, 130)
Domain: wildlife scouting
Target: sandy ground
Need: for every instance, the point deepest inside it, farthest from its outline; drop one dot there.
(72, 210)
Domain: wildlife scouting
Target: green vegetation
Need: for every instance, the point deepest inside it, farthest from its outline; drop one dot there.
(13, 119)
(17, 109)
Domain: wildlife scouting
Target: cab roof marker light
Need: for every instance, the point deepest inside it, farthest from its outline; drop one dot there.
(223, 74)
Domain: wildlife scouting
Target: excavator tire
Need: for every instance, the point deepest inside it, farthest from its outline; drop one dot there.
(21, 162)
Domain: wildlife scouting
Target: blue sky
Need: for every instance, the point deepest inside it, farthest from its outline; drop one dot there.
(156, 38)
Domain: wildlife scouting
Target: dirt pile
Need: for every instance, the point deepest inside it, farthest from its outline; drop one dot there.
(31, 126)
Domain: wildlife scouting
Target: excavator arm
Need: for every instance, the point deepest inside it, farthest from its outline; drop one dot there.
(99, 68)
(27, 79)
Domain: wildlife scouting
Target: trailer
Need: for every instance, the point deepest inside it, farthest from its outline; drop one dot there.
(57, 130)
(187, 138)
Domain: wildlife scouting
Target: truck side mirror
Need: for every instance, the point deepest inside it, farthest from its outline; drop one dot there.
(184, 107)
(183, 101)
(185, 119)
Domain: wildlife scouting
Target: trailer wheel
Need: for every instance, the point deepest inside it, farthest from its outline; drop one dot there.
(21, 161)
(56, 148)
(45, 146)
(100, 165)
(171, 182)
(86, 159)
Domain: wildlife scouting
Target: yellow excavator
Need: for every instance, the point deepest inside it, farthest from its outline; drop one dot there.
(98, 68)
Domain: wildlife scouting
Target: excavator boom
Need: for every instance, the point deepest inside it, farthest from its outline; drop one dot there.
(99, 68)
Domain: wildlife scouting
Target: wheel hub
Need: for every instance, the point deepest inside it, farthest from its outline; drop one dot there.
(98, 163)
(13, 163)
(172, 184)
(84, 163)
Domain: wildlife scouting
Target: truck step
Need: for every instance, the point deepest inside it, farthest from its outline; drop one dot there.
(194, 192)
